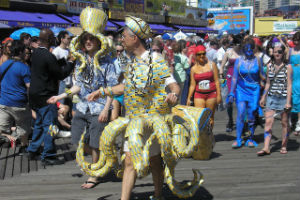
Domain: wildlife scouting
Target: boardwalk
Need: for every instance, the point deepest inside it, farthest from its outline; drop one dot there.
(230, 174)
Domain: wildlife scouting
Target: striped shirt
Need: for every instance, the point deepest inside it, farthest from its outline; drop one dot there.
(279, 84)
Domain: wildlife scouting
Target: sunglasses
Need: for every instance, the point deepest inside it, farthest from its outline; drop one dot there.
(279, 52)
(200, 54)
(156, 50)
(119, 51)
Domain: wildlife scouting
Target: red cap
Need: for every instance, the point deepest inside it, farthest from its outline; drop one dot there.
(257, 41)
(6, 40)
(200, 48)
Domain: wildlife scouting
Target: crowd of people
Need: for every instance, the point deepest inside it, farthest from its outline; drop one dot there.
(43, 85)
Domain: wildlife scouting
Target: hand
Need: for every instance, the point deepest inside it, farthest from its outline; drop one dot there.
(288, 106)
(262, 102)
(171, 98)
(103, 117)
(53, 100)
(188, 102)
(94, 96)
(219, 99)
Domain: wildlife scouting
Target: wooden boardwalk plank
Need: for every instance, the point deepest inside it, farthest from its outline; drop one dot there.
(3, 159)
(10, 162)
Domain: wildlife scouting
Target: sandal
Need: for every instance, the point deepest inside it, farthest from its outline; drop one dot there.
(296, 133)
(283, 150)
(263, 153)
(93, 183)
(250, 143)
(237, 144)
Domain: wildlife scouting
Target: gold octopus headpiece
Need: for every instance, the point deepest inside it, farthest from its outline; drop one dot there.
(138, 27)
(93, 21)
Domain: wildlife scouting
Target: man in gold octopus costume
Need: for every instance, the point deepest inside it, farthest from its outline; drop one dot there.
(144, 92)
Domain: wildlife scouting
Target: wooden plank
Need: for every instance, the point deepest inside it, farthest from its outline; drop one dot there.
(25, 164)
(10, 162)
(17, 163)
(3, 159)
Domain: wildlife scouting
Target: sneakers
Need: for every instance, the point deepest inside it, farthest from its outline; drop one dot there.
(64, 134)
(22, 150)
(297, 129)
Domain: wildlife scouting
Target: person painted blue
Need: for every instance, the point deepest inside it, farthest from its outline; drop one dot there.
(245, 89)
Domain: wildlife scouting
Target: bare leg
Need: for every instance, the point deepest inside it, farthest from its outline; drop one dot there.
(268, 130)
(285, 129)
(211, 104)
(115, 111)
(157, 174)
(129, 178)
(95, 158)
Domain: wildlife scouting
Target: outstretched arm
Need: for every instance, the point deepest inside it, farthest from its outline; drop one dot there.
(108, 91)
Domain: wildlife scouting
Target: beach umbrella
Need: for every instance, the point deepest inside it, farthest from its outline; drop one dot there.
(56, 30)
(30, 30)
(180, 36)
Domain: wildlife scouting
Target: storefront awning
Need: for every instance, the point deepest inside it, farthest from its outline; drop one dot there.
(191, 29)
(156, 28)
(27, 19)
(76, 21)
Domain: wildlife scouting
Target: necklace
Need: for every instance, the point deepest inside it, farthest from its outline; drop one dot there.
(139, 88)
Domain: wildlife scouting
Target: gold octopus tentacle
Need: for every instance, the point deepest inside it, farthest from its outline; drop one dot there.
(74, 47)
(108, 151)
(180, 133)
(134, 133)
(103, 50)
(170, 158)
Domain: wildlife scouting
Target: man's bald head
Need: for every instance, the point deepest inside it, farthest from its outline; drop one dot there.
(46, 37)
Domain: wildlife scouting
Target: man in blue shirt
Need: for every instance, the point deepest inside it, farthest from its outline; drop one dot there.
(13, 96)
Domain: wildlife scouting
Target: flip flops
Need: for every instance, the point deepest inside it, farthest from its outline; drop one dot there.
(283, 150)
(93, 183)
(263, 153)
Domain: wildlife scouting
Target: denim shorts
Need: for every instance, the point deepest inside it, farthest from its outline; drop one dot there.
(275, 103)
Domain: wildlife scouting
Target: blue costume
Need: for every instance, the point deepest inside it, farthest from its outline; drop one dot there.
(245, 87)
(295, 62)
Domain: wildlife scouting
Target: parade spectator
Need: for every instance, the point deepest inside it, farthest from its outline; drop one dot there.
(34, 42)
(6, 50)
(27, 57)
(225, 44)
(211, 52)
(14, 110)
(168, 51)
(278, 91)
(204, 84)
(245, 88)
(45, 75)
(181, 63)
(227, 66)
(295, 63)
(90, 116)
(120, 63)
(25, 38)
(62, 52)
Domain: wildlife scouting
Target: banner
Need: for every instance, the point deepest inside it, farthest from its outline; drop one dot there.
(76, 6)
(284, 26)
(4, 3)
(232, 20)
(165, 7)
(136, 6)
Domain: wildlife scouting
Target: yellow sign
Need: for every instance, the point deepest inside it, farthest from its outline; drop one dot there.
(4, 3)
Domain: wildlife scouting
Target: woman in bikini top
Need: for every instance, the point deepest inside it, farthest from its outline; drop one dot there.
(204, 84)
